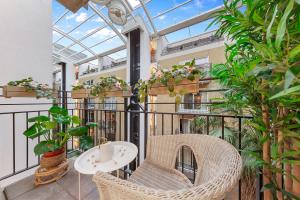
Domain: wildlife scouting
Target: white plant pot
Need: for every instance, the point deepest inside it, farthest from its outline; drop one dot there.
(106, 152)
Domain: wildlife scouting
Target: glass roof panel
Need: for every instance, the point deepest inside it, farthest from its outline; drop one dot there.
(163, 13)
(77, 48)
(65, 42)
(119, 54)
(71, 20)
(55, 36)
(85, 28)
(80, 55)
(191, 31)
(107, 45)
(98, 37)
(57, 10)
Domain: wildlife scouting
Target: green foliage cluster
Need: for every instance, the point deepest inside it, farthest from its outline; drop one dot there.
(169, 78)
(106, 84)
(263, 71)
(42, 90)
(79, 87)
(50, 127)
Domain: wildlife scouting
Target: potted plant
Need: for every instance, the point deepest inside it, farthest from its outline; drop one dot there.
(27, 88)
(176, 81)
(80, 91)
(56, 130)
(110, 87)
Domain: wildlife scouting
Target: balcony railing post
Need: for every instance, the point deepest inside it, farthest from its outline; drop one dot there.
(145, 125)
(125, 127)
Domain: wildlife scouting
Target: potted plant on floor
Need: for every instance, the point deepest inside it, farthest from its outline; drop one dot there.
(27, 88)
(262, 72)
(56, 130)
(176, 81)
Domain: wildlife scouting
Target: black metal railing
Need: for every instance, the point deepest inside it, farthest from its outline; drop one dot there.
(114, 125)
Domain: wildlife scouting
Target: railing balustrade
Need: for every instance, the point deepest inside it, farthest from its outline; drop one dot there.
(114, 125)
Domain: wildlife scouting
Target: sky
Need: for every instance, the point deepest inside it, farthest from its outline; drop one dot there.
(105, 39)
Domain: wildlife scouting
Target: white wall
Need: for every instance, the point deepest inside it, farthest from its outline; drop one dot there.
(25, 50)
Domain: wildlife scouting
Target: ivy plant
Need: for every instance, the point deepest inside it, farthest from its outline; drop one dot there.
(106, 84)
(169, 78)
(42, 90)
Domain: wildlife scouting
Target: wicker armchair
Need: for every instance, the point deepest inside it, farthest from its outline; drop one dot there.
(219, 169)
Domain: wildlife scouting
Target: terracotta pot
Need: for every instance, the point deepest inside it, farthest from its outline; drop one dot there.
(53, 159)
(54, 153)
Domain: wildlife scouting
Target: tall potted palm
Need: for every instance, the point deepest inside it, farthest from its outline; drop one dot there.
(262, 72)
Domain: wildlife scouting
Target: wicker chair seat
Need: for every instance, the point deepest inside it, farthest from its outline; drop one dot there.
(153, 176)
(219, 169)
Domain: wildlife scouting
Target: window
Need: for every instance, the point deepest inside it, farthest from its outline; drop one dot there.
(110, 103)
(194, 102)
(89, 82)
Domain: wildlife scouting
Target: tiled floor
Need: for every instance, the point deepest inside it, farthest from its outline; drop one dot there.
(64, 189)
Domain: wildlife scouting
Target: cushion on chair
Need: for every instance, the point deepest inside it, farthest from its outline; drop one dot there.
(154, 176)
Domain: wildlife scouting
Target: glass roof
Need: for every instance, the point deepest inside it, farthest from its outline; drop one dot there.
(89, 32)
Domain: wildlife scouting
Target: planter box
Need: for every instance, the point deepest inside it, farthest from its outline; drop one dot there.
(80, 94)
(15, 91)
(185, 85)
(73, 5)
(117, 92)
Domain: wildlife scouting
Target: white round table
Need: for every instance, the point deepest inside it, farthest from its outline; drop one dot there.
(121, 155)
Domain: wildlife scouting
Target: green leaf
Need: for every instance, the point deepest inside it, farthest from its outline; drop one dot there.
(269, 34)
(76, 120)
(86, 142)
(266, 52)
(33, 132)
(58, 110)
(289, 77)
(286, 92)
(282, 25)
(91, 124)
(295, 51)
(78, 131)
(40, 118)
(50, 125)
(294, 162)
(45, 146)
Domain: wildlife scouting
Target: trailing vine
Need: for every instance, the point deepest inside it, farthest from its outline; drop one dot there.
(170, 78)
(106, 84)
(42, 90)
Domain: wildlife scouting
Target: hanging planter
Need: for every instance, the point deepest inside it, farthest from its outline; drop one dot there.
(177, 81)
(80, 92)
(27, 88)
(110, 87)
(117, 92)
(184, 86)
(16, 91)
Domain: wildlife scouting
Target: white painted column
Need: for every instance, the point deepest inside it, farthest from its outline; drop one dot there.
(144, 75)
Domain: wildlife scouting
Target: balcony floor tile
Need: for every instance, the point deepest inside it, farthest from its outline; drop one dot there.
(64, 189)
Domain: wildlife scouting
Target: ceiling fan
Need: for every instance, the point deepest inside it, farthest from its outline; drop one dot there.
(117, 12)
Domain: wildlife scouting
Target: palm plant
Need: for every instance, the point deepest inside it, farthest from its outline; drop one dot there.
(262, 72)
